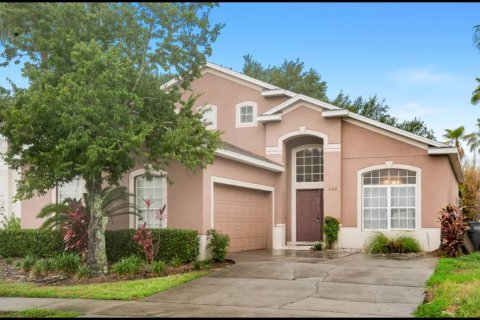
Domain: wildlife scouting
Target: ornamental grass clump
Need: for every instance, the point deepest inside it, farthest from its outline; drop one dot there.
(128, 266)
(380, 243)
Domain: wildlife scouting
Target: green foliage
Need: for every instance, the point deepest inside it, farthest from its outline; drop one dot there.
(173, 242)
(67, 263)
(217, 245)
(201, 264)
(453, 289)
(380, 243)
(331, 229)
(28, 262)
(156, 267)
(84, 272)
(128, 266)
(11, 223)
(452, 230)
(454, 136)
(39, 243)
(9, 261)
(470, 190)
(40, 313)
(119, 290)
(290, 76)
(317, 246)
(176, 262)
(49, 264)
(38, 268)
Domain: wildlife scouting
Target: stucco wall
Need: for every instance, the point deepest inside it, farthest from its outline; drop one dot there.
(363, 148)
(31, 207)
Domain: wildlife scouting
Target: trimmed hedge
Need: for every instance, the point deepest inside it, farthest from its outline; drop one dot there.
(180, 243)
(184, 244)
(38, 243)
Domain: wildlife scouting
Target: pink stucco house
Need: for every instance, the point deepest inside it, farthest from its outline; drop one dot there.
(288, 161)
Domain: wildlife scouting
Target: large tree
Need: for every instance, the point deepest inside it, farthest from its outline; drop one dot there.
(291, 76)
(93, 107)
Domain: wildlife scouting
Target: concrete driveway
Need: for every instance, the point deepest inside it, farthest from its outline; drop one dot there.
(295, 284)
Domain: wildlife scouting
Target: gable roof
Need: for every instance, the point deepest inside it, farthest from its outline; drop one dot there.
(332, 111)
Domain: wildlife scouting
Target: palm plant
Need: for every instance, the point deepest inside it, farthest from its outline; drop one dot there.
(473, 139)
(453, 137)
(73, 217)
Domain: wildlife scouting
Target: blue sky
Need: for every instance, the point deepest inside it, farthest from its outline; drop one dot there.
(419, 56)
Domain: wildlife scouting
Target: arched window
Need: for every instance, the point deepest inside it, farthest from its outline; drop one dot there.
(309, 165)
(150, 197)
(389, 199)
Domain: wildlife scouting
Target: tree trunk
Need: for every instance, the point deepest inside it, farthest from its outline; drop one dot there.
(97, 255)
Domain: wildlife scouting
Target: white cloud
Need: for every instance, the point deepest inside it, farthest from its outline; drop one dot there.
(410, 110)
(421, 75)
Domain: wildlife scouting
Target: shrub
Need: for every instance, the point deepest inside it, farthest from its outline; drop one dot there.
(201, 264)
(380, 243)
(9, 261)
(217, 245)
(75, 228)
(173, 242)
(11, 223)
(176, 262)
(67, 263)
(38, 268)
(28, 263)
(452, 230)
(156, 267)
(84, 272)
(49, 264)
(38, 243)
(330, 229)
(470, 191)
(317, 246)
(128, 266)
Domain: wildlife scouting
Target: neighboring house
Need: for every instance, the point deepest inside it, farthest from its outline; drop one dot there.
(8, 208)
(288, 161)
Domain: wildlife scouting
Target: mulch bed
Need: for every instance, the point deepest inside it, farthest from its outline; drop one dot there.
(10, 273)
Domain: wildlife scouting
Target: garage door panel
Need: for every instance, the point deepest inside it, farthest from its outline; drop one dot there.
(242, 214)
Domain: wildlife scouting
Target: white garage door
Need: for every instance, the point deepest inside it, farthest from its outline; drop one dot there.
(242, 214)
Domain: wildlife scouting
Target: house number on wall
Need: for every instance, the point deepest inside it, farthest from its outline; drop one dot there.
(332, 189)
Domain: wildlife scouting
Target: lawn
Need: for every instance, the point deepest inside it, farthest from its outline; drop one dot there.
(121, 290)
(40, 313)
(454, 289)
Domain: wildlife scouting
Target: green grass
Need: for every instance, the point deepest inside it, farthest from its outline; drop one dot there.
(40, 313)
(455, 289)
(121, 290)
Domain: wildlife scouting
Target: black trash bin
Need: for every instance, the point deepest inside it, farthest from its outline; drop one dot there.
(474, 234)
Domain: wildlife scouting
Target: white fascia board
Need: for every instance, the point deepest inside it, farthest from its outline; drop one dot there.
(269, 118)
(277, 93)
(335, 113)
(436, 151)
(301, 97)
(228, 154)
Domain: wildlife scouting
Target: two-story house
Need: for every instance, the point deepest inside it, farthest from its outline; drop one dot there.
(288, 161)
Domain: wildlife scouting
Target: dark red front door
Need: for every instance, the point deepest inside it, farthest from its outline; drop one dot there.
(309, 215)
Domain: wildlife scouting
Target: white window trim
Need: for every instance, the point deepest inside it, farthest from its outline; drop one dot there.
(131, 190)
(238, 107)
(418, 193)
(301, 185)
(55, 193)
(212, 126)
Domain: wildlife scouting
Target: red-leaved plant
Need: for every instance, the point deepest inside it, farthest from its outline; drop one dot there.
(452, 230)
(74, 229)
(144, 238)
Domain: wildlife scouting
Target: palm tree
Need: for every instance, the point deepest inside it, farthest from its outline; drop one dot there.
(453, 138)
(473, 140)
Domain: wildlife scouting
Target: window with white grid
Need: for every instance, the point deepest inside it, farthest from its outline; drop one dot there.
(389, 199)
(246, 114)
(73, 189)
(309, 165)
(149, 199)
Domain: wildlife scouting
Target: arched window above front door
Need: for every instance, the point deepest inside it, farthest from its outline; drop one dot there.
(309, 164)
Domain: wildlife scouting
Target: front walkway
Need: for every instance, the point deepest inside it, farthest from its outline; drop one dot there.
(279, 284)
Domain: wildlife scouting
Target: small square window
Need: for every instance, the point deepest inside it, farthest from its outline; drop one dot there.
(246, 114)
